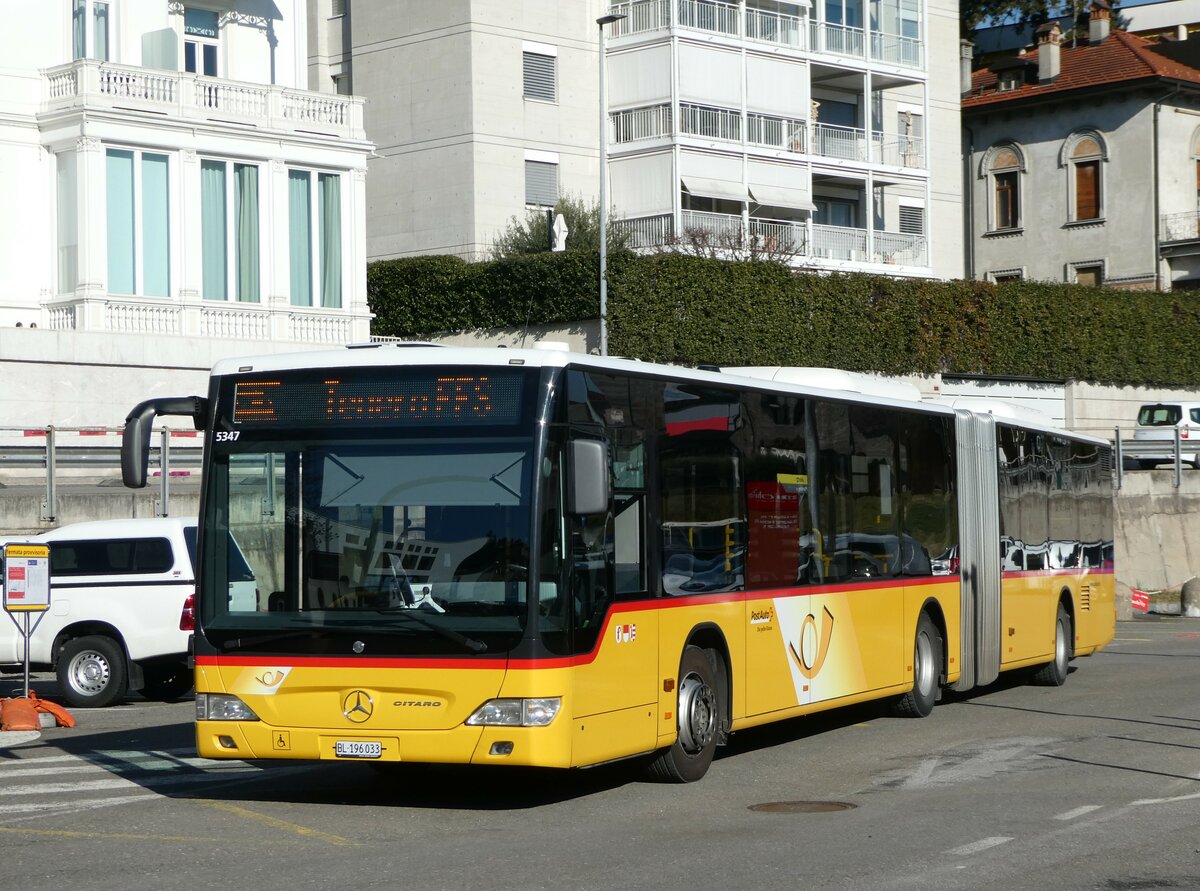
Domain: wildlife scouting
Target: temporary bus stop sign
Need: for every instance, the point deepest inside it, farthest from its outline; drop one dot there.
(26, 578)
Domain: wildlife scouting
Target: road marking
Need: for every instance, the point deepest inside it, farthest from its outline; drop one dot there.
(1177, 798)
(982, 845)
(71, 806)
(276, 823)
(126, 836)
(1078, 812)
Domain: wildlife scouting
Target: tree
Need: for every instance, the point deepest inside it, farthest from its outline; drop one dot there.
(530, 235)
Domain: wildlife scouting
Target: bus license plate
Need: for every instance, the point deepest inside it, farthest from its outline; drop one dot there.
(357, 748)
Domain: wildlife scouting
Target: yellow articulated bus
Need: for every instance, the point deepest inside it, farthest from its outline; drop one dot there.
(532, 557)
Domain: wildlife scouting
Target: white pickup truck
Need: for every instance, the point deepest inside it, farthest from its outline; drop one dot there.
(122, 607)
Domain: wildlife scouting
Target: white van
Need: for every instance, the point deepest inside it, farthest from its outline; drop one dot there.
(122, 607)
(1157, 422)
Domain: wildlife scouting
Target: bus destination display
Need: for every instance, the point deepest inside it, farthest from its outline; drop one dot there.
(433, 398)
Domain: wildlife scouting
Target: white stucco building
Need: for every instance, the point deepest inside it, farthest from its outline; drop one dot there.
(175, 193)
(826, 133)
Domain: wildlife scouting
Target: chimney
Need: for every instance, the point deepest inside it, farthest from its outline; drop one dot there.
(1099, 21)
(966, 52)
(1049, 37)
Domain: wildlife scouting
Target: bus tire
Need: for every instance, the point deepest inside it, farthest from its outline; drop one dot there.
(91, 671)
(698, 718)
(927, 672)
(1054, 672)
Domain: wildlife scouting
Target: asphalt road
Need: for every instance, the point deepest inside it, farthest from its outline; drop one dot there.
(1092, 785)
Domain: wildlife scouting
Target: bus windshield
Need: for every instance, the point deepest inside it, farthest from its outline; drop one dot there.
(394, 539)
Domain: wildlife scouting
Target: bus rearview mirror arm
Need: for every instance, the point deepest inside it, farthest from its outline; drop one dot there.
(135, 442)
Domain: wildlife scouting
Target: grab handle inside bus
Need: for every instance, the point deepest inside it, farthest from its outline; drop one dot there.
(588, 489)
(135, 442)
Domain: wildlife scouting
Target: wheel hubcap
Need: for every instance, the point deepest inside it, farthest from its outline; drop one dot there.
(1060, 644)
(923, 670)
(697, 714)
(89, 673)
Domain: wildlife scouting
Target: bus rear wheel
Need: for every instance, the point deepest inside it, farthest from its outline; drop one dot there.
(1054, 673)
(698, 719)
(927, 672)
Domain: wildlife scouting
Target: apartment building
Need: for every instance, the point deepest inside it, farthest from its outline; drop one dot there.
(826, 135)
(175, 194)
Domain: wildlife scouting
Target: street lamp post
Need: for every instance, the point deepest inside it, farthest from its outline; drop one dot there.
(601, 22)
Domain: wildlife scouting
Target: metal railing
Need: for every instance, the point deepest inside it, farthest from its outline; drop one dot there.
(709, 122)
(644, 15)
(1148, 453)
(173, 454)
(775, 132)
(647, 232)
(775, 27)
(646, 122)
(707, 15)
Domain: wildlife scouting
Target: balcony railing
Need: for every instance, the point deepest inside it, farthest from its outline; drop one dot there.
(1179, 227)
(905, 151)
(774, 132)
(87, 83)
(706, 15)
(843, 143)
(641, 16)
(789, 240)
(648, 122)
(206, 319)
(766, 26)
(775, 27)
(711, 123)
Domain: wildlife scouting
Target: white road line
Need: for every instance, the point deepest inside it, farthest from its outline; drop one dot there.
(29, 807)
(982, 845)
(1078, 812)
(86, 786)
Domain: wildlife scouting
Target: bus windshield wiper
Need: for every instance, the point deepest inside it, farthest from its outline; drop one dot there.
(475, 646)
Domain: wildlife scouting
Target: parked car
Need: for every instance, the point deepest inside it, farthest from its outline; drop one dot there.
(122, 607)
(1157, 422)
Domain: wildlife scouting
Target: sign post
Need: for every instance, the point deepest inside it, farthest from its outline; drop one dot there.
(26, 589)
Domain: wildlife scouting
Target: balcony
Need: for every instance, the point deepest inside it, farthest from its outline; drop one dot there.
(771, 27)
(190, 98)
(792, 241)
(205, 319)
(1179, 227)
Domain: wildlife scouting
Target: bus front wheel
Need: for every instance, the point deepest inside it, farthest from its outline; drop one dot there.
(698, 719)
(927, 671)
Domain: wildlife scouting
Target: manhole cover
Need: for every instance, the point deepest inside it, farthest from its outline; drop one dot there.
(802, 807)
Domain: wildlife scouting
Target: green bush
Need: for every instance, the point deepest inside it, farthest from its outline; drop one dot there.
(671, 307)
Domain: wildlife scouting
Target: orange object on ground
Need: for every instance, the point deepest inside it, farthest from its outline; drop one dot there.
(19, 714)
(62, 717)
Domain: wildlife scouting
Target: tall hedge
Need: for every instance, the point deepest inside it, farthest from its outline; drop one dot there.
(676, 308)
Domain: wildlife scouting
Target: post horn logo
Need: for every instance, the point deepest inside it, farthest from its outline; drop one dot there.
(358, 706)
(810, 663)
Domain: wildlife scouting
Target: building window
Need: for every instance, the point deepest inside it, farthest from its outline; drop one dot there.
(1085, 153)
(229, 231)
(1004, 172)
(67, 177)
(912, 220)
(1002, 276)
(90, 29)
(1090, 275)
(200, 41)
(315, 251)
(137, 223)
(541, 183)
(540, 77)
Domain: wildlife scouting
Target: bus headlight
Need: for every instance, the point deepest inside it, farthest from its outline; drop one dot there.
(222, 707)
(516, 712)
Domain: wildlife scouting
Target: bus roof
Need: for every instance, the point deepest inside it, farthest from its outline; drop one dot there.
(833, 384)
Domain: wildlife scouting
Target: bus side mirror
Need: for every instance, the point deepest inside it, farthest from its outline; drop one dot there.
(587, 489)
(135, 442)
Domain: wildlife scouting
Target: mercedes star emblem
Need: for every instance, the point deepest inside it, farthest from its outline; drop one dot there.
(357, 706)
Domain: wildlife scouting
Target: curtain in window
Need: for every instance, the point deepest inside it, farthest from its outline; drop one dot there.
(119, 196)
(299, 238)
(213, 242)
(246, 231)
(156, 257)
(100, 33)
(329, 207)
(68, 226)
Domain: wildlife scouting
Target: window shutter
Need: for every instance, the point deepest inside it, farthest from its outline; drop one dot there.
(539, 77)
(912, 220)
(1087, 191)
(339, 7)
(541, 183)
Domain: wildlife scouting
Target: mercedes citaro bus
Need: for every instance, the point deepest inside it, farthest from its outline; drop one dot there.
(533, 557)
